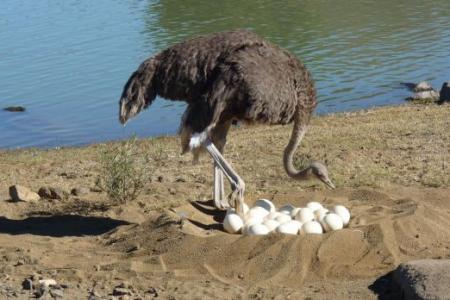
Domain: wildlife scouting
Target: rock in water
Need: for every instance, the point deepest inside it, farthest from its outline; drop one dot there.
(444, 95)
(422, 86)
(424, 279)
(15, 108)
(430, 95)
(21, 193)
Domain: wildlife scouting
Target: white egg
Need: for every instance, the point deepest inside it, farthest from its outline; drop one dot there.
(273, 215)
(257, 229)
(290, 227)
(271, 224)
(313, 227)
(342, 212)
(332, 222)
(282, 218)
(295, 211)
(232, 223)
(266, 204)
(305, 215)
(314, 205)
(248, 221)
(320, 213)
(257, 211)
(286, 209)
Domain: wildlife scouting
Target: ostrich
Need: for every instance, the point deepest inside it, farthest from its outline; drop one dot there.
(227, 77)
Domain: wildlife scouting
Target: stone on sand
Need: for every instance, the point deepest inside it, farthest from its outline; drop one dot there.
(21, 193)
(424, 279)
(53, 193)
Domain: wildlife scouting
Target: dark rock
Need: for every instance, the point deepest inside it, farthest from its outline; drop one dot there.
(119, 291)
(21, 193)
(27, 284)
(444, 94)
(15, 108)
(79, 191)
(53, 193)
(424, 279)
(41, 291)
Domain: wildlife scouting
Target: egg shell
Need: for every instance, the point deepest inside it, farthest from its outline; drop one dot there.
(332, 222)
(290, 227)
(311, 227)
(253, 220)
(282, 218)
(232, 223)
(320, 213)
(305, 215)
(314, 205)
(257, 229)
(271, 224)
(286, 209)
(266, 204)
(342, 212)
(257, 211)
(295, 211)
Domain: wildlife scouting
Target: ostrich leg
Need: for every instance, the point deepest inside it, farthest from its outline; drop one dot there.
(237, 184)
(219, 191)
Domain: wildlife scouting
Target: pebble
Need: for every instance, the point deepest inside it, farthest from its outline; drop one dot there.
(79, 191)
(53, 193)
(56, 293)
(119, 291)
(27, 284)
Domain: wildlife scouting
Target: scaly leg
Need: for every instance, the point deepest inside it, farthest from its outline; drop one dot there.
(220, 201)
(237, 184)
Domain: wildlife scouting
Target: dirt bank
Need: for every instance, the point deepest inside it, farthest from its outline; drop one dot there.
(391, 167)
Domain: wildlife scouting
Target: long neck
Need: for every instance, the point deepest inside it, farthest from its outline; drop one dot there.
(298, 131)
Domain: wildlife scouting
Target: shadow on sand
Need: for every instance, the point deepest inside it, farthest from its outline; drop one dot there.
(59, 226)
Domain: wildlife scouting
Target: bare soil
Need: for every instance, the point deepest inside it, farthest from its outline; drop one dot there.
(391, 167)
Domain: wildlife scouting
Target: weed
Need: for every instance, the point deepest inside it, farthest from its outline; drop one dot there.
(123, 171)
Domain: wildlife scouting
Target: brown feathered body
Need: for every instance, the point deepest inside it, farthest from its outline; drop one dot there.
(226, 76)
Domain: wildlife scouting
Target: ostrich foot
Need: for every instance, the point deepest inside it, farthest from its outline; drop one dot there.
(220, 201)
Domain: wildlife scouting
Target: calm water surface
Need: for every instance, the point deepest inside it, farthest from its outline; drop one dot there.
(66, 61)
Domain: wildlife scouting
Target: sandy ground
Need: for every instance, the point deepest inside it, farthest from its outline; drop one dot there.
(391, 167)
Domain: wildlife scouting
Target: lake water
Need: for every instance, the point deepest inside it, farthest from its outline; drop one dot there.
(66, 60)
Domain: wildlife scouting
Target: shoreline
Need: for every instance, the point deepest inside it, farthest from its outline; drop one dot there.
(390, 166)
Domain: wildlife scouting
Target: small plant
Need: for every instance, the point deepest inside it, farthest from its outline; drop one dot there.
(123, 172)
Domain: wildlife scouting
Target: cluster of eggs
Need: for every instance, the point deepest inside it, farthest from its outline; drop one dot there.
(264, 218)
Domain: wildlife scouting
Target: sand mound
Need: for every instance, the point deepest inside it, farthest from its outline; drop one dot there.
(386, 229)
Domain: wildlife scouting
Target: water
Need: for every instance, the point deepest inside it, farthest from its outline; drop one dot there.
(66, 61)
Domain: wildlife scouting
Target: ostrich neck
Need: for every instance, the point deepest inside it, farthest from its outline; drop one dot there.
(298, 132)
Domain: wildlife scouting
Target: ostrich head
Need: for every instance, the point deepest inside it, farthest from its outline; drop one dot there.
(138, 93)
(319, 170)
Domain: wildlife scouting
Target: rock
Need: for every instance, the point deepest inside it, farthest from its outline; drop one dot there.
(15, 108)
(424, 95)
(422, 86)
(53, 193)
(444, 94)
(41, 291)
(424, 279)
(21, 193)
(119, 291)
(79, 191)
(47, 282)
(27, 284)
(56, 293)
